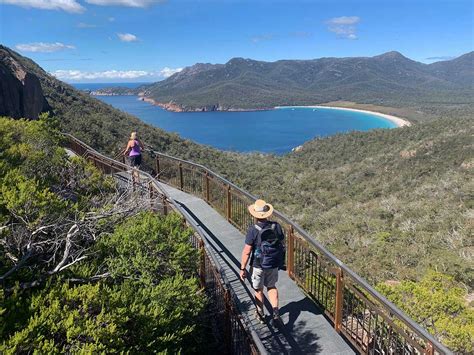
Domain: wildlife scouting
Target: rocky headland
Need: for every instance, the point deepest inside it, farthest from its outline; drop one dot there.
(21, 95)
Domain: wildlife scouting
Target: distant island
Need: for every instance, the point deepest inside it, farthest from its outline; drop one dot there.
(114, 91)
(387, 80)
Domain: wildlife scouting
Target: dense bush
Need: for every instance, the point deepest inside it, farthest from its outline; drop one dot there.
(82, 270)
(439, 305)
(44, 197)
(144, 307)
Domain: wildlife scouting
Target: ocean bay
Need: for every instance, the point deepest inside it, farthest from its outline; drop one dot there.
(272, 131)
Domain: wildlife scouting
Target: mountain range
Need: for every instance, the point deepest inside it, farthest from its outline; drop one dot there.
(389, 79)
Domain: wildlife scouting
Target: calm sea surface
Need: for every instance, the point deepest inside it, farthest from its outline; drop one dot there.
(273, 131)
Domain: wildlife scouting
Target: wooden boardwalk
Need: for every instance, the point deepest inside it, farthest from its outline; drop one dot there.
(305, 330)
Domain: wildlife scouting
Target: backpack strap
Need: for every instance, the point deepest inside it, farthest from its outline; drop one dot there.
(257, 227)
(258, 239)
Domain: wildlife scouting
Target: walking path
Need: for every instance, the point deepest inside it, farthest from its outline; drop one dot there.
(305, 330)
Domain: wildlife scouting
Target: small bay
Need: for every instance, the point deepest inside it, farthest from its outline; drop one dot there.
(273, 131)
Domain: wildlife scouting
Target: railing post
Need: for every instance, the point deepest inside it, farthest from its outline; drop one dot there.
(291, 252)
(206, 189)
(228, 203)
(429, 349)
(150, 193)
(165, 207)
(202, 264)
(339, 300)
(180, 168)
(134, 179)
(227, 321)
(157, 167)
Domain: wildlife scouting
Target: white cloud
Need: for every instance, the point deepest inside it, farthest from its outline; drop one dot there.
(112, 75)
(344, 26)
(111, 19)
(129, 3)
(65, 5)
(43, 47)
(127, 37)
(344, 20)
(77, 75)
(167, 72)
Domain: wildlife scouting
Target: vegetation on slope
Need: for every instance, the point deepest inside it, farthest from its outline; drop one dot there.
(82, 270)
(396, 201)
(392, 204)
(389, 79)
(439, 305)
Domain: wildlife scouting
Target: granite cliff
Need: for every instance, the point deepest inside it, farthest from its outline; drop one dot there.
(21, 94)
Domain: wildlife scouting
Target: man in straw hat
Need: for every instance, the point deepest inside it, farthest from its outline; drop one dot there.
(264, 248)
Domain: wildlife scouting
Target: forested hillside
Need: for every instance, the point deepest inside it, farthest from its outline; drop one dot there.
(396, 201)
(83, 268)
(389, 79)
(392, 204)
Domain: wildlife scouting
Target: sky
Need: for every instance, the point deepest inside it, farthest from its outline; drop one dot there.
(148, 40)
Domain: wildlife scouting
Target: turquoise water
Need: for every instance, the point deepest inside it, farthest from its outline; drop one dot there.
(274, 131)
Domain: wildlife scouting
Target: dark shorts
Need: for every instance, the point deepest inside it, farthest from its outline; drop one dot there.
(135, 160)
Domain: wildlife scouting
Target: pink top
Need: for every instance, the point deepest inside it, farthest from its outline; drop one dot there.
(135, 149)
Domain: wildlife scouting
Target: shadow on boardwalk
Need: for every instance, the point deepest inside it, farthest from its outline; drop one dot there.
(296, 335)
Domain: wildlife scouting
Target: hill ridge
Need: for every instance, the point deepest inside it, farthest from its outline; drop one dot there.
(388, 79)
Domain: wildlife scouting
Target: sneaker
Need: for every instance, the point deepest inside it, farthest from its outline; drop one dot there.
(260, 315)
(276, 320)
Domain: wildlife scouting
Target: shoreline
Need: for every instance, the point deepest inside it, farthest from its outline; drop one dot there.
(399, 122)
(172, 107)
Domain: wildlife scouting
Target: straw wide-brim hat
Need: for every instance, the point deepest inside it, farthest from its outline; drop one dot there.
(260, 209)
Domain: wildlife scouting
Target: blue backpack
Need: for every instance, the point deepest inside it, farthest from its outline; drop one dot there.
(269, 249)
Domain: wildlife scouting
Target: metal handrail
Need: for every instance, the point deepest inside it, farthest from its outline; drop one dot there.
(389, 306)
(207, 246)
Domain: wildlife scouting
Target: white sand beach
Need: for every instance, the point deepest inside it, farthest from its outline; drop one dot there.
(400, 122)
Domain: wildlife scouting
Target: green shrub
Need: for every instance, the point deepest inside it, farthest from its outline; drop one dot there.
(131, 287)
(111, 318)
(148, 249)
(438, 303)
(152, 303)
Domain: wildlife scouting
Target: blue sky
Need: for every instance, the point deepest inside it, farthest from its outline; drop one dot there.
(143, 40)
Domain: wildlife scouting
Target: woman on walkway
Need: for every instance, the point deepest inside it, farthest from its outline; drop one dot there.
(134, 150)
